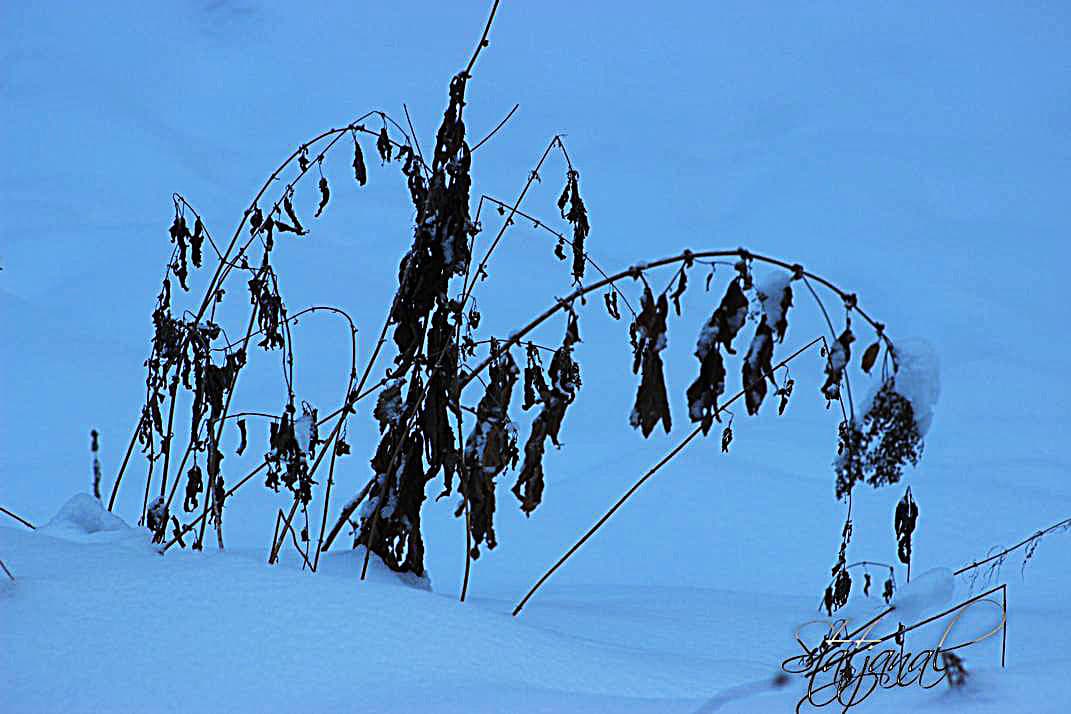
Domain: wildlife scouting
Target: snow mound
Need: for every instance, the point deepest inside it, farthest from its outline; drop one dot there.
(925, 595)
(918, 379)
(348, 564)
(84, 516)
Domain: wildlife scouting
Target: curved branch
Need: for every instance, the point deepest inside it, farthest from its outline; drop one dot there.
(483, 40)
(637, 270)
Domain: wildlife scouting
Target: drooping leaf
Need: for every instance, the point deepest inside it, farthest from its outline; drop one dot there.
(288, 206)
(194, 486)
(704, 392)
(286, 227)
(383, 145)
(256, 218)
(785, 392)
(325, 196)
(359, 171)
(577, 215)
(840, 354)
(907, 513)
(564, 384)
(758, 367)
(725, 323)
(490, 448)
(776, 298)
(682, 285)
(196, 240)
(610, 298)
(242, 434)
(871, 356)
(649, 328)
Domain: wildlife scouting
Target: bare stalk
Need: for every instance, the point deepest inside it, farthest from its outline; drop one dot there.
(650, 472)
(20, 519)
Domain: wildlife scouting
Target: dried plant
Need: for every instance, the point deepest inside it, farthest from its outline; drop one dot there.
(433, 322)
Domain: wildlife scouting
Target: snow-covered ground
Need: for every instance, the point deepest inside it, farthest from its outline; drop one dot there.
(918, 155)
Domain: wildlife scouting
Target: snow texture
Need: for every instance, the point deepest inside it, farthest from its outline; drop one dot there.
(915, 155)
(83, 516)
(770, 291)
(918, 379)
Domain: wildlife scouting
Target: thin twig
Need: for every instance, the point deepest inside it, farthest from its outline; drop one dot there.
(20, 519)
(483, 40)
(494, 131)
(1066, 523)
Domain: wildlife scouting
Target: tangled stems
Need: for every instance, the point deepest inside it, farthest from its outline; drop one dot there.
(227, 262)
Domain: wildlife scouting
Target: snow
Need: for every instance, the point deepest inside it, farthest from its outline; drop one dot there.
(127, 628)
(83, 517)
(902, 152)
(918, 378)
(928, 593)
(304, 427)
(770, 291)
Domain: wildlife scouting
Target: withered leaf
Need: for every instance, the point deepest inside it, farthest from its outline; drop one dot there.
(325, 195)
(242, 434)
(682, 285)
(725, 323)
(287, 228)
(785, 392)
(359, 171)
(610, 298)
(383, 145)
(288, 206)
(572, 330)
(726, 439)
(256, 218)
(757, 365)
(564, 384)
(652, 402)
(839, 356)
(196, 240)
(871, 356)
(704, 391)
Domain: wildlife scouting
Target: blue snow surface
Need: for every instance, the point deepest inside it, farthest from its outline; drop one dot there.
(916, 154)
